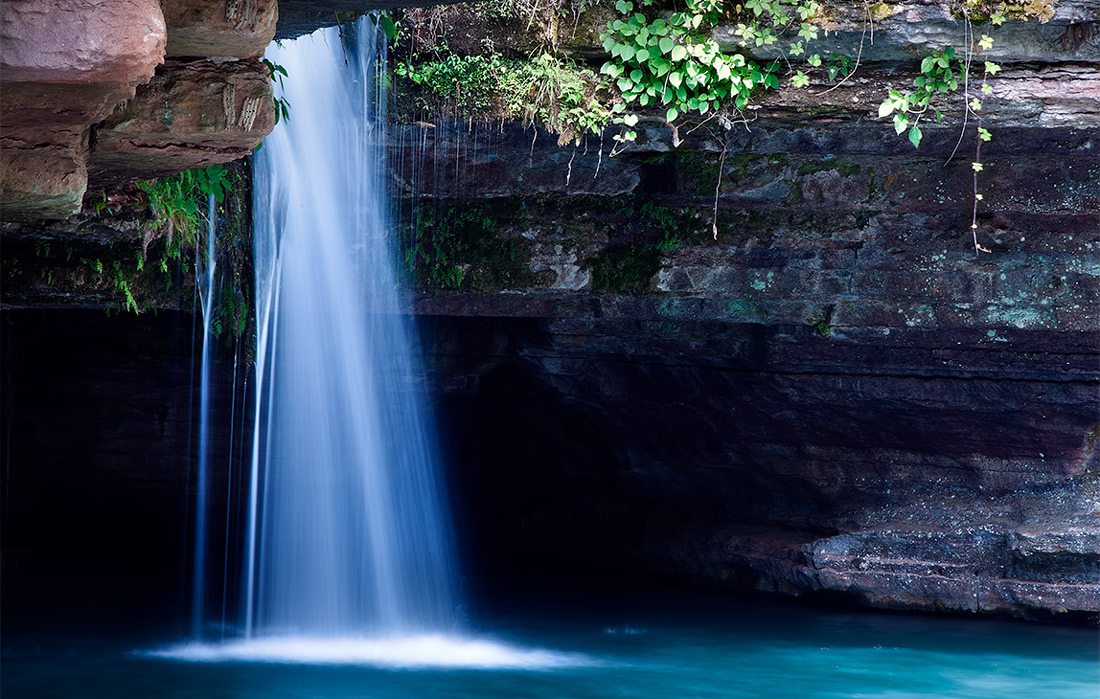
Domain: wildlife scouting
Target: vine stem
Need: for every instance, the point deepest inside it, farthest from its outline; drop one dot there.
(978, 249)
(968, 38)
(859, 53)
(717, 190)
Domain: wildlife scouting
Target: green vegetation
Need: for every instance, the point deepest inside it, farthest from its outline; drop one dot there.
(663, 61)
(462, 247)
(545, 89)
(276, 72)
(178, 205)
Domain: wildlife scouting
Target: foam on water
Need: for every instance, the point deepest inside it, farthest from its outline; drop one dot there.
(423, 651)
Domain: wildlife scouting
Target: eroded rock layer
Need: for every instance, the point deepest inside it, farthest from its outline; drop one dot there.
(817, 388)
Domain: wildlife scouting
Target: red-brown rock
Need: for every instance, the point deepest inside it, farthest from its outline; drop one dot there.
(190, 115)
(65, 65)
(233, 29)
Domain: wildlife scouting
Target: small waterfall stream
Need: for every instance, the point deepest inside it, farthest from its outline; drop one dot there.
(345, 543)
(206, 284)
(348, 531)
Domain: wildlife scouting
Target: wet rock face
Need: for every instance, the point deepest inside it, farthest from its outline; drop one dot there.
(834, 396)
(918, 469)
(298, 17)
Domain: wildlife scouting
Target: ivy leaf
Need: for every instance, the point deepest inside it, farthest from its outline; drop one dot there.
(983, 133)
(800, 79)
(814, 60)
(986, 42)
(992, 68)
(666, 44)
(679, 53)
(901, 122)
(975, 105)
(630, 119)
(977, 167)
(624, 7)
(915, 136)
(671, 114)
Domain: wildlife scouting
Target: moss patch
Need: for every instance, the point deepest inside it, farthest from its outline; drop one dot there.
(625, 268)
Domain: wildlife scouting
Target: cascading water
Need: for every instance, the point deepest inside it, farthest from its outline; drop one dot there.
(347, 551)
(206, 283)
(348, 531)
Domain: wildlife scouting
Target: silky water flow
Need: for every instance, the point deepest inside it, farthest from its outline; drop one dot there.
(347, 547)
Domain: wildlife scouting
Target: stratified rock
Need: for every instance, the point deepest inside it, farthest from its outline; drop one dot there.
(46, 182)
(829, 393)
(65, 65)
(298, 17)
(229, 29)
(190, 115)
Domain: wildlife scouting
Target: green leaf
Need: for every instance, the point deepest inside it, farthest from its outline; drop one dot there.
(886, 108)
(983, 133)
(624, 7)
(915, 136)
(901, 122)
(679, 53)
(671, 114)
(666, 44)
(927, 64)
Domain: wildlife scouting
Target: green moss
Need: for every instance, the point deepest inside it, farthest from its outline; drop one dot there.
(746, 311)
(846, 169)
(463, 247)
(1092, 436)
(698, 169)
(625, 268)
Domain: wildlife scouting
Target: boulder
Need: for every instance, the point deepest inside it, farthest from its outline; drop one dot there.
(190, 115)
(65, 65)
(233, 29)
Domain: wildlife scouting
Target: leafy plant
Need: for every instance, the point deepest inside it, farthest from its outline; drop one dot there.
(546, 89)
(276, 73)
(673, 62)
(940, 73)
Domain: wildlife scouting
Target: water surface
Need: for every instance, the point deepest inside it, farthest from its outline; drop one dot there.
(655, 645)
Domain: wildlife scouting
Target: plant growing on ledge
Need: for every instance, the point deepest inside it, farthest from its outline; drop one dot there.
(672, 61)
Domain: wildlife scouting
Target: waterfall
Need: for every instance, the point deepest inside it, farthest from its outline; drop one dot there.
(206, 283)
(347, 530)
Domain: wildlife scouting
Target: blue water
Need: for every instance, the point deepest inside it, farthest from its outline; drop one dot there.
(656, 645)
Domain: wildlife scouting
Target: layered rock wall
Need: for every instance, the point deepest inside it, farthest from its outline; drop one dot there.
(771, 358)
(87, 93)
